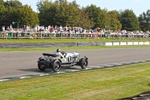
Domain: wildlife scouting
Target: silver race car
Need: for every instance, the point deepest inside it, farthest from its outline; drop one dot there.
(55, 62)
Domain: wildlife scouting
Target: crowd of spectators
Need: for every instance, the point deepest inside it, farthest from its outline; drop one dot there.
(59, 31)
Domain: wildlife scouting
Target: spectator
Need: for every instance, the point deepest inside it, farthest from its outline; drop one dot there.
(10, 27)
(3, 28)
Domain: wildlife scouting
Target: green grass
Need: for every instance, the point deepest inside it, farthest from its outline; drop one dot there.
(103, 84)
(69, 40)
(69, 48)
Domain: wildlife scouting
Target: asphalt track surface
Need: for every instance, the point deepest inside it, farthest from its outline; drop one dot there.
(14, 64)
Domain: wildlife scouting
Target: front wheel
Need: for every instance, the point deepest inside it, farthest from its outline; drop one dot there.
(84, 63)
(56, 66)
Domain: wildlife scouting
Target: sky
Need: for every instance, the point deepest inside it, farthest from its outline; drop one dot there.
(138, 6)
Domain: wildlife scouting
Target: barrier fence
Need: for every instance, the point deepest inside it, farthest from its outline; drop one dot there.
(32, 35)
(71, 44)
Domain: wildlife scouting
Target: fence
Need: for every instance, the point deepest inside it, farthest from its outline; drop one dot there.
(31, 35)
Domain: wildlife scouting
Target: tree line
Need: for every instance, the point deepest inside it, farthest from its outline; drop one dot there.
(64, 13)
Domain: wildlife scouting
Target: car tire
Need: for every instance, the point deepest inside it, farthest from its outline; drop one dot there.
(84, 63)
(42, 65)
(56, 66)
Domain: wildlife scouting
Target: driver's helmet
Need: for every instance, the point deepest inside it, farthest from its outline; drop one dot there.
(58, 50)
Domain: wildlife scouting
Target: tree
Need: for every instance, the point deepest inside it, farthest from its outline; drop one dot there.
(84, 20)
(1, 2)
(48, 12)
(62, 13)
(114, 23)
(3, 20)
(97, 16)
(129, 21)
(27, 16)
(12, 11)
(144, 20)
(13, 3)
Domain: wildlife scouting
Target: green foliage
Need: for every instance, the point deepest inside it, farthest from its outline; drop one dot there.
(97, 16)
(114, 23)
(62, 13)
(13, 3)
(1, 2)
(27, 16)
(144, 20)
(14, 11)
(3, 11)
(129, 20)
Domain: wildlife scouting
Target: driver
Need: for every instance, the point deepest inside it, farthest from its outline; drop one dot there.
(58, 52)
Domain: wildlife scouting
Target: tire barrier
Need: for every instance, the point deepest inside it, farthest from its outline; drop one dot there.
(126, 43)
(46, 45)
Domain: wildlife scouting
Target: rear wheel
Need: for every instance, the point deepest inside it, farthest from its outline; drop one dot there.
(56, 66)
(42, 65)
(84, 63)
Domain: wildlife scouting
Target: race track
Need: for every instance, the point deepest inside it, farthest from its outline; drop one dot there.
(14, 64)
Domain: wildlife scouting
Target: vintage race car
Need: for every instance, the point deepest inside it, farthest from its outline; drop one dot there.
(55, 62)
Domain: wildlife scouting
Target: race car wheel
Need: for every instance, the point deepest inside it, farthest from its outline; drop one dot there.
(84, 63)
(56, 66)
(42, 65)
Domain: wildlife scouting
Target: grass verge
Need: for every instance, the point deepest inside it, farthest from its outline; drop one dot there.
(69, 48)
(103, 84)
(71, 40)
